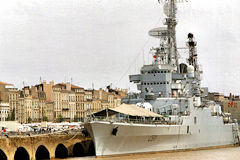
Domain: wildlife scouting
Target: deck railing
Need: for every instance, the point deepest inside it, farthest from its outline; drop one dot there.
(133, 120)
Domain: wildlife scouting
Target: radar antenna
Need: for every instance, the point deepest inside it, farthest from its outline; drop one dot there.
(167, 35)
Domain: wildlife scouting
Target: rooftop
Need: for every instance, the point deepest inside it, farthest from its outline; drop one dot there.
(5, 84)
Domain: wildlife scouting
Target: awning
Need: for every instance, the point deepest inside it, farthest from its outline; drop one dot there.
(127, 109)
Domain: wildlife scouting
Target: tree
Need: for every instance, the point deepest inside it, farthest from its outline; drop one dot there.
(60, 118)
(76, 119)
(45, 118)
(12, 117)
(8, 117)
(29, 120)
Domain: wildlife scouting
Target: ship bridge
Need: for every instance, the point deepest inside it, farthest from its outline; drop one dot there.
(157, 79)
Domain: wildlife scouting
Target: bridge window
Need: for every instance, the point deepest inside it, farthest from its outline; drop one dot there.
(61, 151)
(2, 155)
(21, 154)
(42, 153)
(78, 150)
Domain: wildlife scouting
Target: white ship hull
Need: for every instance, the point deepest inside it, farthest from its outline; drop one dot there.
(208, 131)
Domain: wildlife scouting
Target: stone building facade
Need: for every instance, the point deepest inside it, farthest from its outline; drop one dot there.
(54, 102)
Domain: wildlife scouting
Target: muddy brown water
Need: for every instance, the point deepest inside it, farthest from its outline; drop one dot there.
(231, 153)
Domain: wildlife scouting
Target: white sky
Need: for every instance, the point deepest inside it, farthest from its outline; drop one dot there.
(96, 41)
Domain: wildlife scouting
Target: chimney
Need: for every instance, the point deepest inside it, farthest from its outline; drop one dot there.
(51, 83)
(100, 93)
(230, 96)
(68, 86)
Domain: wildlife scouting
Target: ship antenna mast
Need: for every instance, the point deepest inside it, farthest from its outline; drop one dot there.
(167, 52)
(171, 23)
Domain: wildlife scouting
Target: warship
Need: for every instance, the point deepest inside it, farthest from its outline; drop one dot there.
(179, 116)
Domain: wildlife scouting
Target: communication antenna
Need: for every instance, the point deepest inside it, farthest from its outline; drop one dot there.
(167, 34)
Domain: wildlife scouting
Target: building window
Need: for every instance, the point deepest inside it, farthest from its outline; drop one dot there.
(195, 120)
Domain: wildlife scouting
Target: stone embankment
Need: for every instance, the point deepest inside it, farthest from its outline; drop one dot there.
(46, 146)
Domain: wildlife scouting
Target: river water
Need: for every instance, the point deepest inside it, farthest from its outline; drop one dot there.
(232, 153)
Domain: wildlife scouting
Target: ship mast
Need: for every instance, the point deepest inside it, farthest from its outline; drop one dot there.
(171, 23)
(166, 53)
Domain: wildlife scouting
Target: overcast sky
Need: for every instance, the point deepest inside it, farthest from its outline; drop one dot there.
(102, 41)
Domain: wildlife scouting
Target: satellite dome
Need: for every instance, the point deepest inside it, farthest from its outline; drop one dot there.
(145, 105)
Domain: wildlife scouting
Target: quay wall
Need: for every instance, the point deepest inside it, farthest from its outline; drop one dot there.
(31, 147)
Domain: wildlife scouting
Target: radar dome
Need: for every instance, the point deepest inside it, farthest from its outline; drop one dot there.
(145, 105)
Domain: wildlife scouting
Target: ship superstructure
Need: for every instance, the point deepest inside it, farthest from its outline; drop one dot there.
(170, 87)
(166, 77)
